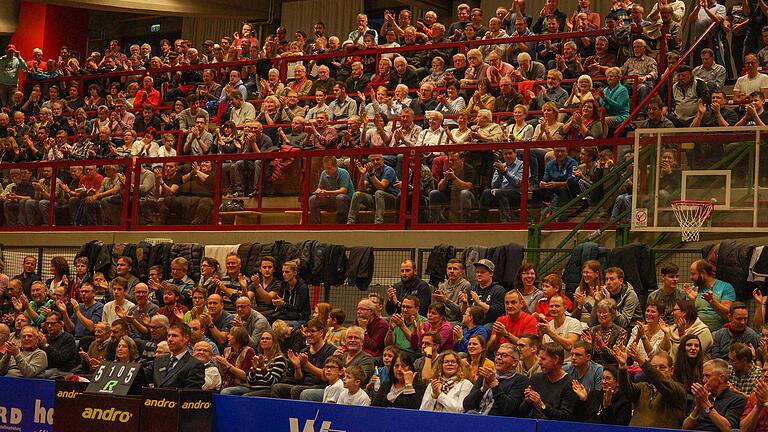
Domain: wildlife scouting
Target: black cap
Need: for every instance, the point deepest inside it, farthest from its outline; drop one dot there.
(684, 68)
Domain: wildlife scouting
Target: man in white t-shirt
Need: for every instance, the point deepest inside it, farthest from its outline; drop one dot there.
(118, 292)
(753, 81)
(562, 330)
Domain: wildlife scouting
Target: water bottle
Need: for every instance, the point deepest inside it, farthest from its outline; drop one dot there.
(377, 384)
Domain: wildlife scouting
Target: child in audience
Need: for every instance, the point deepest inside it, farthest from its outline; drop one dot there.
(380, 375)
(332, 371)
(337, 334)
(352, 395)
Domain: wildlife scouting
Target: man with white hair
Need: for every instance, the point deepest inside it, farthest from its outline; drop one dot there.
(27, 361)
(402, 74)
(351, 354)
(203, 353)
(357, 35)
(323, 82)
(553, 92)
(716, 406)
(529, 70)
(643, 66)
(435, 134)
(38, 63)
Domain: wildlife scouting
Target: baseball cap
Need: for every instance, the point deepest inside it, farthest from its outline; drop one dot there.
(208, 42)
(486, 263)
(684, 68)
(11, 47)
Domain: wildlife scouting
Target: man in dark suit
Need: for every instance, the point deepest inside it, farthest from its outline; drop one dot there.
(179, 369)
(499, 392)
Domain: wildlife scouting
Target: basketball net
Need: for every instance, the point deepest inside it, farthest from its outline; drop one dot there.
(691, 216)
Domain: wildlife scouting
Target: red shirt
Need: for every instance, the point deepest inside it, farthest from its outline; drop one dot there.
(153, 97)
(91, 183)
(373, 343)
(168, 312)
(762, 423)
(542, 306)
(525, 323)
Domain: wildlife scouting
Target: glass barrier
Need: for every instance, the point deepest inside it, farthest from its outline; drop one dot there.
(87, 195)
(724, 166)
(494, 185)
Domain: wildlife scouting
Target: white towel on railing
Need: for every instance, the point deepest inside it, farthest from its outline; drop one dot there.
(219, 252)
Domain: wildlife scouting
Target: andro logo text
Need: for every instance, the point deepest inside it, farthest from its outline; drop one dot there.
(200, 404)
(68, 394)
(110, 415)
(160, 403)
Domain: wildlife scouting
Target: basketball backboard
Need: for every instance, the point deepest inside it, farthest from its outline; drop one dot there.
(706, 164)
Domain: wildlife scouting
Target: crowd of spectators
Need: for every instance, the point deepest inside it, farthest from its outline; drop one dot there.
(355, 97)
(686, 358)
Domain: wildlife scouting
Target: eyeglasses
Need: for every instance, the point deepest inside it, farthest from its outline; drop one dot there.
(331, 367)
(504, 355)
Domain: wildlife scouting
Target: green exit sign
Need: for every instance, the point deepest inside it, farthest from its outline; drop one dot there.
(154, 28)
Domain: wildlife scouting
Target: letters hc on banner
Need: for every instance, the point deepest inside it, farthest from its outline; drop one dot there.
(26, 405)
(274, 415)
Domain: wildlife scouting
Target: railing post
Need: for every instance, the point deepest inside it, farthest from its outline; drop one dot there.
(51, 216)
(217, 172)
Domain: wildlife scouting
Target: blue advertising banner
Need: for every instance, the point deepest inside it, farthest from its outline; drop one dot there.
(26, 405)
(562, 426)
(230, 413)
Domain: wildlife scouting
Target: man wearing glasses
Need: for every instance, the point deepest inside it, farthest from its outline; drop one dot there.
(369, 319)
(59, 346)
(499, 392)
(86, 314)
(402, 325)
(306, 367)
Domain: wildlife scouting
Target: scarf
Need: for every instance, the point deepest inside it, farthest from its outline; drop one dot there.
(448, 383)
(296, 85)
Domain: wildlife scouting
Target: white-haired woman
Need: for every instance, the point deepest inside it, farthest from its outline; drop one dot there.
(581, 92)
(272, 85)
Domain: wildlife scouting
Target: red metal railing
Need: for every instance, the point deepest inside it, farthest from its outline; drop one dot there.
(664, 79)
(411, 157)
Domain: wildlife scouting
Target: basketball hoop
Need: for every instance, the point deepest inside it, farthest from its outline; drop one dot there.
(691, 215)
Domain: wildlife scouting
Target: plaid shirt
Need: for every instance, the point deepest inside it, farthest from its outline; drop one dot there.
(744, 383)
